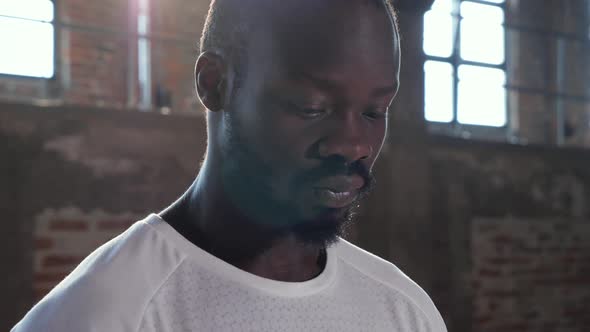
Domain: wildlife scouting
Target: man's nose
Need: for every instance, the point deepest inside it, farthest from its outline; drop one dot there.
(349, 139)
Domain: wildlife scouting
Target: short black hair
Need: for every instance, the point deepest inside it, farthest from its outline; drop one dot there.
(227, 27)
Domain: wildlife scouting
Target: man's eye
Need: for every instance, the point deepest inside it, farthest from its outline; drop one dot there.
(309, 112)
(312, 112)
(375, 114)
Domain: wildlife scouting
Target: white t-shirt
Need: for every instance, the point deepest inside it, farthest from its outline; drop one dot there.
(150, 278)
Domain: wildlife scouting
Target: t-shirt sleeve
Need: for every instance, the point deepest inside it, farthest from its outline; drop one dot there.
(78, 306)
(110, 289)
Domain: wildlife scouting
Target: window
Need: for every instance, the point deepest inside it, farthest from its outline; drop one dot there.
(144, 55)
(464, 72)
(27, 37)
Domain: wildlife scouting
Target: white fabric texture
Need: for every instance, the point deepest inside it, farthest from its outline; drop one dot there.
(150, 278)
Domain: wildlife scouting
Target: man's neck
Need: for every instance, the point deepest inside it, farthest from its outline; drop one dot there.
(204, 217)
(288, 260)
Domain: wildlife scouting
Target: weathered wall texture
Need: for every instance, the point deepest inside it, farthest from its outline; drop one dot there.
(73, 178)
(64, 237)
(548, 70)
(548, 65)
(177, 25)
(531, 275)
(507, 216)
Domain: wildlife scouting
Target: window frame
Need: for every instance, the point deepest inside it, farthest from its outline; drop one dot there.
(56, 61)
(454, 127)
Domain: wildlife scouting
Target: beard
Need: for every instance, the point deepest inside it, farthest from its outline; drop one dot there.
(248, 183)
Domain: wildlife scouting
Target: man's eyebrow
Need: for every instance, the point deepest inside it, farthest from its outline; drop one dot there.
(384, 91)
(333, 85)
(321, 83)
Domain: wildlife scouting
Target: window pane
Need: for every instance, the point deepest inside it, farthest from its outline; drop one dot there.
(27, 48)
(494, 1)
(482, 33)
(438, 91)
(41, 10)
(482, 96)
(484, 14)
(442, 6)
(438, 34)
(482, 43)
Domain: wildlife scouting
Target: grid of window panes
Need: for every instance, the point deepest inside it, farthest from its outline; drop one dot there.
(464, 72)
(27, 38)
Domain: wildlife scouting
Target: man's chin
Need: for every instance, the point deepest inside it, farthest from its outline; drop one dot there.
(324, 230)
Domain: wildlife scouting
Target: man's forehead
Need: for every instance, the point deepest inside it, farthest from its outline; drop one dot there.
(318, 12)
(319, 34)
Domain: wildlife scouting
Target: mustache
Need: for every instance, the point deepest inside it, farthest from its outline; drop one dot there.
(338, 167)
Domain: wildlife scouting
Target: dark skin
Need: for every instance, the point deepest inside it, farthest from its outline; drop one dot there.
(317, 88)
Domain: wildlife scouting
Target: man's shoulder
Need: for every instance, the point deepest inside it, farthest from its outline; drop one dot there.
(388, 276)
(375, 267)
(110, 289)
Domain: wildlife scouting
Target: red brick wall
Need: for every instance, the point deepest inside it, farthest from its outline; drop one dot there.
(176, 25)
(512, 236)
(531, 275)
(94, 52)
(98, 66)
(64, 237)
(73, 178)
(91, 52)
(96, 48)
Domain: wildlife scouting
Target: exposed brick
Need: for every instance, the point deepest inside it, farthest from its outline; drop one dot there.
(42, 242)
(515, 327)
(509, 260)
(61, 260)
(502, 294)
(489, 273)
(68, 225)
(114, 224)
(47, 277)
(517, 279)
(503, 239)
(40, 292)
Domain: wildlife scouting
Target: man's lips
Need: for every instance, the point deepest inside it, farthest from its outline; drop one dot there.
(341, 183)
(334, 200)
(338, 192)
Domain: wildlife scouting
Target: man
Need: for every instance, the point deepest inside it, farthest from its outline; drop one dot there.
(297, 94)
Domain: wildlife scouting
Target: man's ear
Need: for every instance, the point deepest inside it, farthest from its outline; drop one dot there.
(210, 76)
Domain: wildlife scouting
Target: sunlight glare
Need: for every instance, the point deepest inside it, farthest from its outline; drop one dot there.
(482, 33)
(29, 51)
(438, 34)
(39, 10)
(27, 45)
(482, 96)
(438, 91)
